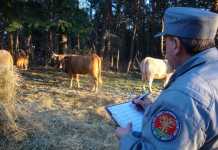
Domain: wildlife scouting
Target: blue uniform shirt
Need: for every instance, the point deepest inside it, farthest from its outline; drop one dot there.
(185, 115)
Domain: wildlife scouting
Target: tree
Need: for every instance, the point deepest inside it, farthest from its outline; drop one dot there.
(62, 25)
(11, 21)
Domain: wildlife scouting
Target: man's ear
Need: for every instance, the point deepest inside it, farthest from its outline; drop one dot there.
(177, 45)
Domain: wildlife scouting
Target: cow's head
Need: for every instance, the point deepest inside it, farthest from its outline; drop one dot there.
(58, 59)
(54, 55)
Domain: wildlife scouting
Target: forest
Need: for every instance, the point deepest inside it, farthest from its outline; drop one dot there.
(120, 31)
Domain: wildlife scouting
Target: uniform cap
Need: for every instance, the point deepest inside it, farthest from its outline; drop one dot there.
(189, 22)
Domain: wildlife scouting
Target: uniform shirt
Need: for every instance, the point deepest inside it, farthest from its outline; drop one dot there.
(185, 115)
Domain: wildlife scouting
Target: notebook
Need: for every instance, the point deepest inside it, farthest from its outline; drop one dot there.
(126, 112)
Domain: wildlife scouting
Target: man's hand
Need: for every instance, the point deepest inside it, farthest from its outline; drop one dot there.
(120, 132)
(141, 103)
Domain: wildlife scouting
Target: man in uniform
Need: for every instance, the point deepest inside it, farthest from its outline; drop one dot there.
(185, 114)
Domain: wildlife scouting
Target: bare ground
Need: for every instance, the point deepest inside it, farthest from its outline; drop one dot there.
(53, 116)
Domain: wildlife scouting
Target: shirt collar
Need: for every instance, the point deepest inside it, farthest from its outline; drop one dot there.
(205, 56)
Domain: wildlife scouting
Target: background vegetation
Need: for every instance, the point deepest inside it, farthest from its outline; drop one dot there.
(121, 31)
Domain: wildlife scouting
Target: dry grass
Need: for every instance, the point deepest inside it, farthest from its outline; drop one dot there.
(8, 81)
(56, 117)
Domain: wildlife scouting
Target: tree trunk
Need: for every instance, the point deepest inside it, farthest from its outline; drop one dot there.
(117, 60)
(109, 51)
(112, 62)
(49, 48)
(64, 40)
(78, 41)
(108, 14)
(63, 43)
(28, 46)
(161, 41)
(1, 40)
(108, 26)
(50, 40)
(17, 42)
(10, 42)
(131, 49)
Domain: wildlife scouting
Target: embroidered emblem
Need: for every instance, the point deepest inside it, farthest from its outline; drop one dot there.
(165, 126)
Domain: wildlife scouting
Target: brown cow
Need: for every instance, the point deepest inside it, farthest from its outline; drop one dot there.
(22, 60)
(77, 64)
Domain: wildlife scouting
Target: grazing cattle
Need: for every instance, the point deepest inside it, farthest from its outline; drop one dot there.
(22, 60)
(6, 59)
(153, 68)
(77, 64)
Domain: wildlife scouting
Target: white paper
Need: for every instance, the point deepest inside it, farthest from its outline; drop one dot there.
(125, 113)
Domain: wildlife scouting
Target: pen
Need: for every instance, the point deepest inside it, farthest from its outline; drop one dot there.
(141, 97)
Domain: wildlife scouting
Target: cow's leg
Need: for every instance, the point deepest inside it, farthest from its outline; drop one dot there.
(77, 80)
(96, 84)
(71, 81)
(143, 86)
(25, 66)
(22, 66)
(95, 87)
(144, 79)
(150, 84)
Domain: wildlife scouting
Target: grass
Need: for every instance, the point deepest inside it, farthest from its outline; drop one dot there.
(56, 117)
(8, 78)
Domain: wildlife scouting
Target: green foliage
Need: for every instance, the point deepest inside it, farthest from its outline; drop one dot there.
(14, 26)
(63, 26)
(65, 16)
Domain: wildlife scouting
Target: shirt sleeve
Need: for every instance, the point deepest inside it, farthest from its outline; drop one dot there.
(174, 122)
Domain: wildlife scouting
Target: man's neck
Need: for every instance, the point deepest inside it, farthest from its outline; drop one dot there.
(182, 59)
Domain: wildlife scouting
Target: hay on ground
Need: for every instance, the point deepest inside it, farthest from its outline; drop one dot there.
(7, 102)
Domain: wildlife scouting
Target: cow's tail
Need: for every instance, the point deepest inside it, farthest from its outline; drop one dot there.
(143, 68)
(99, 72)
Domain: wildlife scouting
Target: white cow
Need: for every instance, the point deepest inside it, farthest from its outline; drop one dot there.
(153, 68)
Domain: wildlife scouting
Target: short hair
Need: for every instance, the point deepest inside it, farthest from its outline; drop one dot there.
(194, 46)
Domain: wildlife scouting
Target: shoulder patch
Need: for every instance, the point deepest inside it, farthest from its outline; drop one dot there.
(165, 126)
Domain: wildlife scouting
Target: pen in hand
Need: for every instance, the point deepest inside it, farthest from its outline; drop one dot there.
(141, 102)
